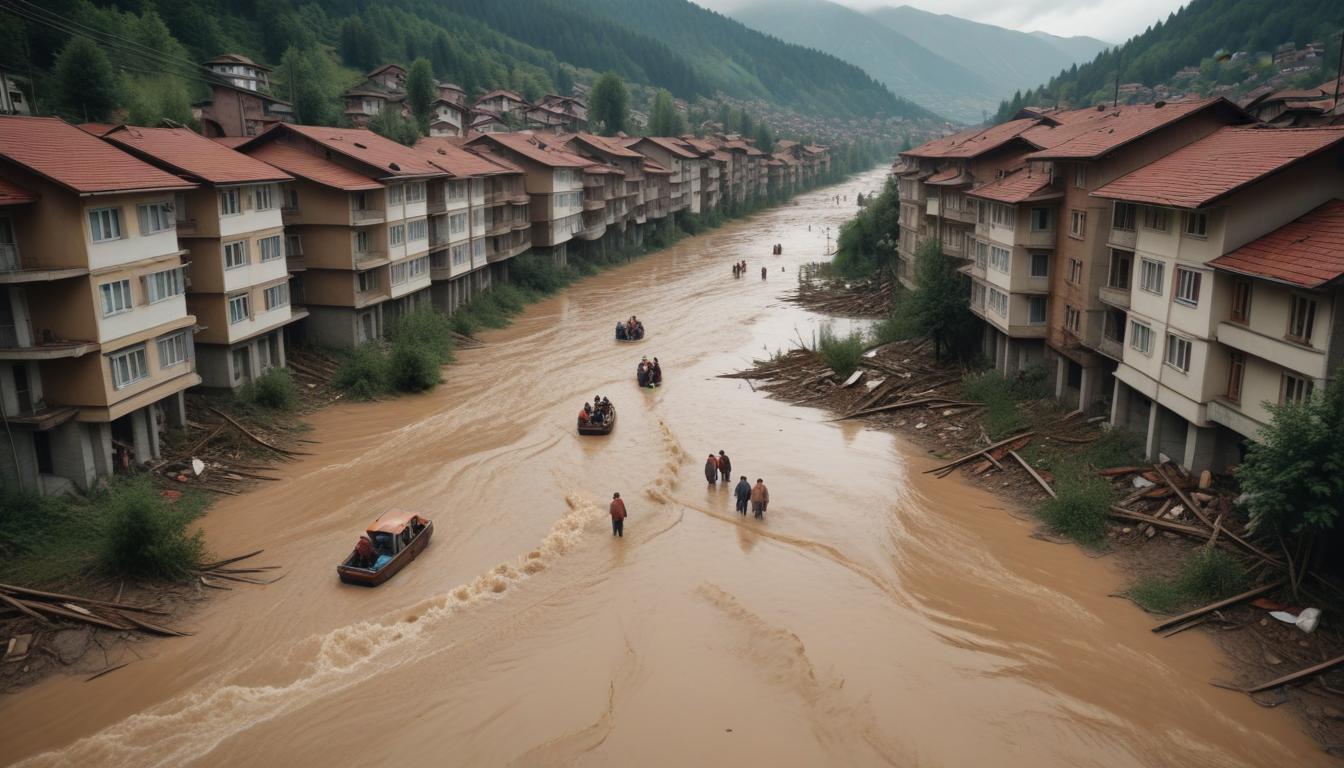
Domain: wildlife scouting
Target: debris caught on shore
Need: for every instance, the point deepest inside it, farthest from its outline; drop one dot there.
(49, 608)
(832, 296)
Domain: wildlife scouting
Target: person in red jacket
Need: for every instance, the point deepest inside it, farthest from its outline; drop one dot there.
(617, 515)
(364, 554)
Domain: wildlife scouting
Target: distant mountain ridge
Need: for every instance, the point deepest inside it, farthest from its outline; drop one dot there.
(953, 66)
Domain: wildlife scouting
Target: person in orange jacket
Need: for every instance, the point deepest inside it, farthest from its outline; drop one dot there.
(617, 515)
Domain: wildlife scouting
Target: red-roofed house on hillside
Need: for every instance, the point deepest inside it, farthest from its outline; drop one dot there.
(1191, 332)
(501, 102)
(1288, 281)
(231, 228)
(554, 182)
(356, 224)
(95, 336)
(240, 101)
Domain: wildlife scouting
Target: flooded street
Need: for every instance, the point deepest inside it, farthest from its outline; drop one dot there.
(875, 617)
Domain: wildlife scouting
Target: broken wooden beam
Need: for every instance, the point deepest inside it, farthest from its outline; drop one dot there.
(963, 459)
(1034, 475)
(1211, 607)
(25, 592)
(1301, 674)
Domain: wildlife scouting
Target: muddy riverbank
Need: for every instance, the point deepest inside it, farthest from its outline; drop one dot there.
(876, 616)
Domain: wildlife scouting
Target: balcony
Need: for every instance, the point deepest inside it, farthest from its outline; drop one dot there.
(49, 348)
(1124, 239)
(593, 204)
(963, 215)
(369, 259)
(1303, 359)
(360, 216)
(498, 226)
(12, 270)
(187, 226)
(1114, 296)
(932, 206)
(1111, 347)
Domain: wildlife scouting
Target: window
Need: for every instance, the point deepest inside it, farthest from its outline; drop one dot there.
(361, 241)
(1075, 271)
(1301, 318)
(1197, 224)
(1187, 286)
(293, 245)
(457, 224)
(1040, 265)
(415, 192)
(1151, 275)
(239, 308)
(457, 190)
(242, 360)
(1080, 176)
(154, 217)
(1073, 319)
(417, 230)
(1000, 258)
(105, 224)
(1002, 215)
(981, 212)
(399, 273)
(228, 202)
(478, 251)
(981, 253)
(1155, 219)
(128, 366)
(277, 296)
(417, 267)
(292, 199)
(1236, 372)
(1125, 216)
(1294, 389)
(270, 248)
(461, 255)
(1118, 277)
(1040, 220)
(394, 194)
(1141, 337)
(164, 285)
(397, 234)
(173, 349)
(1036, 310)
(262, 198)
(1241, 301)
(367, 281)
(116, 297)
(1077, 223)
(1178, 352)
(998, 301)
(235, 254)
(977, 295)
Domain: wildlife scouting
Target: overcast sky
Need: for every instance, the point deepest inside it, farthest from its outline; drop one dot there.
(1110, 20)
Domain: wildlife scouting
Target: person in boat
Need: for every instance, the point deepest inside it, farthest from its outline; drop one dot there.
(642, 373)
(620, 331)
(618, 515)
(743, 494)
(606, 406)
(364, 554)
(656, 373)
(725, 467)
(712, 469)
(586, 414)
(736, 273)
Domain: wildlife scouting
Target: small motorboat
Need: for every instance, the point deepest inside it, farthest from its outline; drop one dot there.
(602, 428)
(622, 334)
(398, 537)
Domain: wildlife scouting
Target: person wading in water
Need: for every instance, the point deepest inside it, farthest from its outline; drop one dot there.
(743, 494)
(760, 498)
(617, 515)
(712, 469)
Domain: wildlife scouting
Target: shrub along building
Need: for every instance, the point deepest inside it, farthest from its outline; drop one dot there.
(95, 336)
(230, 225)
(1103, 250)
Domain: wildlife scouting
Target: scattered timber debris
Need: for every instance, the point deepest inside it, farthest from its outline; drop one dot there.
(871, 298)
(51, 608)
(227, 570)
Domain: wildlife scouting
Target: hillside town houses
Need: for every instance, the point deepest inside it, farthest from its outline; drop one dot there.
(139, 262)
(1176, 266)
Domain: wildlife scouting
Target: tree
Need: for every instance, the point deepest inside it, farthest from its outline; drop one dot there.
(420, 92)
(390, 124)
(939, 304)
(664, 119)
(564, 82)
(361, 47)
(765, 139)
(609, 104)
(312, 85)
(1293, 476)
(83, 84)
(744, 124)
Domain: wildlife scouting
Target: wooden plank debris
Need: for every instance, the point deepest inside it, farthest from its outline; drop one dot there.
(1211, 607)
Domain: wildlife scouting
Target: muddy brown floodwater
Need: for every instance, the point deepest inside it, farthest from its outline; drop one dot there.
(876, 616)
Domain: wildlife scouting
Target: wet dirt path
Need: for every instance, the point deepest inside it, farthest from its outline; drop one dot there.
(876, 617)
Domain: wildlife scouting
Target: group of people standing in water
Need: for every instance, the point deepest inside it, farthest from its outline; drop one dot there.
(649, 374)
(744, 493)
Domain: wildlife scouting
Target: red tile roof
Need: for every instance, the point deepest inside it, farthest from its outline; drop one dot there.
(652, 167)
(192, 155)
(11, 194)
(534, 148)
(601, 144)
(1217, 165)
(1090, 134)
(98, 129)
(1020, 186)
(307, 166)
(951, 177)
(975, 141)
(456, 160)
(232, 142)
(76, 160)
(667, 144)
(386, 155)
(1307, 252)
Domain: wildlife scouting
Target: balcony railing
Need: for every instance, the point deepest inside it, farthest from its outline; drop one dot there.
(365, 215)
(368, 257)
(1114, 295)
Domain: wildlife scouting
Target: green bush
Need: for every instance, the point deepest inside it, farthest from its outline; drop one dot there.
(426, 329)
(1206, 576)
(413, 367)
(364, 372)
(1117, 447)
(841, 353)
(1080, 508)
(462, 322)
(147, 536)
(273, 390)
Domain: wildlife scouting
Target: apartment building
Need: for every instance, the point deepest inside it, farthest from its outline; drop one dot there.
(230, 226)
(1184, 352)
(1090, 274)
(240, 102)
(684, 164)
(95, 337)
(479, 218)
(712, 171)
(356, 224)
(624, 190)
(450, 118)
(553, 179)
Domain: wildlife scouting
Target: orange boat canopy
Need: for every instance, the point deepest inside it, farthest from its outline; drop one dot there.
(395, 521)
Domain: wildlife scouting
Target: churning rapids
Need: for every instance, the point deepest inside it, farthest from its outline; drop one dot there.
(876, 617)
